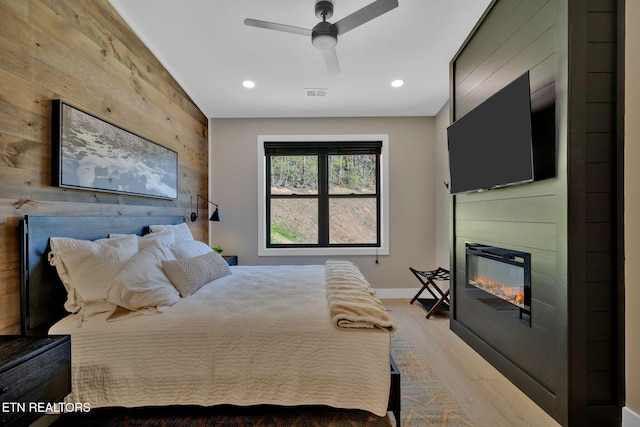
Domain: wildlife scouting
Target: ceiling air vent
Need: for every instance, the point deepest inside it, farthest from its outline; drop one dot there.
(314, 91)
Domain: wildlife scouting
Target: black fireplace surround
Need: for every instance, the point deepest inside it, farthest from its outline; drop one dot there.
(500, 278)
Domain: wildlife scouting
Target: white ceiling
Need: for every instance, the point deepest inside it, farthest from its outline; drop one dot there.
(207, 48)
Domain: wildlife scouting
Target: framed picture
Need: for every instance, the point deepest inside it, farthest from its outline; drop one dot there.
(92, 154)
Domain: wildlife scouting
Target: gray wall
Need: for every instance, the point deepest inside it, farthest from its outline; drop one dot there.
(233, 181)
(442, 194)
(632, 208)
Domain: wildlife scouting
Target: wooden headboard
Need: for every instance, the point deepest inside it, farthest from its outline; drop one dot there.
(42, 294)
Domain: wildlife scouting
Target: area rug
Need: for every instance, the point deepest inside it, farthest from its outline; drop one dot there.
(426, 402)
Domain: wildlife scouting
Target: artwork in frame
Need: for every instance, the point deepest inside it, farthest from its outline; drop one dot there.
(92, 154)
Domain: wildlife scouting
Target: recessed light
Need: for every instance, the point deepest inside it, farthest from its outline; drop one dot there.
(248, 84)
(397, 83)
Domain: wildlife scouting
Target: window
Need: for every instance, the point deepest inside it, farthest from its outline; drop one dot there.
(323, 195)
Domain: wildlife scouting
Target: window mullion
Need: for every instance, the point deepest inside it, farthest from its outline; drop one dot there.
(378, 206)
(268, 200)
(323, 198)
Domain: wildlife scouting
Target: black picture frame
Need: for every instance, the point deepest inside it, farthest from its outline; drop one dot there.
(93, 154)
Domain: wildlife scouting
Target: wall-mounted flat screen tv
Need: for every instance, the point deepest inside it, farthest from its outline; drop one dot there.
(491, 146)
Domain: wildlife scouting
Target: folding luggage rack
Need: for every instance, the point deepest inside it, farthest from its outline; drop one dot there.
(440, 299)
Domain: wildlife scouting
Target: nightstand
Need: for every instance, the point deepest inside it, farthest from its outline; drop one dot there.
(231, 259)
(33, 370)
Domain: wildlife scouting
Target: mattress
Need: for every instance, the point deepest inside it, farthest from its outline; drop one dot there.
(262, 335)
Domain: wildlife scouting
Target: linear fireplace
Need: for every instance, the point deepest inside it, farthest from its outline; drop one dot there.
(502, 276)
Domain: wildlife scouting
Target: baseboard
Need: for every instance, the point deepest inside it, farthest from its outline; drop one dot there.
(630, 418)
(391, 293)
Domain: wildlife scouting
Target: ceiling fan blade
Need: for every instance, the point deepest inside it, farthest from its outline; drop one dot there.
(331, 60)
(364, 15)
(277, 27)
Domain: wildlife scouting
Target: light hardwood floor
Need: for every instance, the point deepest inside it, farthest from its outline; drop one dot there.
(487, 397)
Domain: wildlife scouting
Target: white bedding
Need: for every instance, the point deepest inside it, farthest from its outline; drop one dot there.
(262, 335)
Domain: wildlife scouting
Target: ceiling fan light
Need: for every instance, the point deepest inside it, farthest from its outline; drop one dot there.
(248, 84)
(324, 35)
(397, 83)
(323, 41)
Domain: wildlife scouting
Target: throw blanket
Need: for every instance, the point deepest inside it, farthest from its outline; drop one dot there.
(352, 301)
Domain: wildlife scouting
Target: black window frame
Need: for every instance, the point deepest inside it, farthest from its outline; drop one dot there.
(322, 149)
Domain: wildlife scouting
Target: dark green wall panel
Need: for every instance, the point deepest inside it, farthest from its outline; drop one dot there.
(567, 222)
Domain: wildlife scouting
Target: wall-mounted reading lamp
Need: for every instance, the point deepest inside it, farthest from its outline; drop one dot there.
(214, 217)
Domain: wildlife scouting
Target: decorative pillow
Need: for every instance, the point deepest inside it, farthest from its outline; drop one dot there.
(141, 283)
(181, 231)
(167, 237)
(87, 267)
(189, 275)
(184, 250)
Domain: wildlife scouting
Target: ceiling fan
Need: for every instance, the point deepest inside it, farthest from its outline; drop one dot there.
(324, 35)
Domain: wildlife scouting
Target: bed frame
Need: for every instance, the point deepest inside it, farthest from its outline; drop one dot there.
(42, 294)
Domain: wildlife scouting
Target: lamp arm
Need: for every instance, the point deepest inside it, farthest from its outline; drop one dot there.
(205, 200)
(194, 215)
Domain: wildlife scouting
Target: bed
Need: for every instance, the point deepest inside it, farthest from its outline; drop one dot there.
(256, 335)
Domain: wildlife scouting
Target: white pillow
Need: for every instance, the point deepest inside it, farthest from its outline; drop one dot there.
(189, 275)
(193, 248)
(142, 284)
(167, 237)
(181, 231)
(87, 267)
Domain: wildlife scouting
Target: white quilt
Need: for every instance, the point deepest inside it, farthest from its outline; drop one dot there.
(262, 335)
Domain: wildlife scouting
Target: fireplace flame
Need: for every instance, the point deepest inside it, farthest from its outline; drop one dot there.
(507, 293)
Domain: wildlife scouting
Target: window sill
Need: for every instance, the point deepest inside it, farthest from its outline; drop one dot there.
(321, 251)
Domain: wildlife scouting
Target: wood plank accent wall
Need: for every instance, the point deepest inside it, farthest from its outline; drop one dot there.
(515, 36)
(83, 53)
(568, 361)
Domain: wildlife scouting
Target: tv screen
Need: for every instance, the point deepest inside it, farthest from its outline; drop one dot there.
(491, 146)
